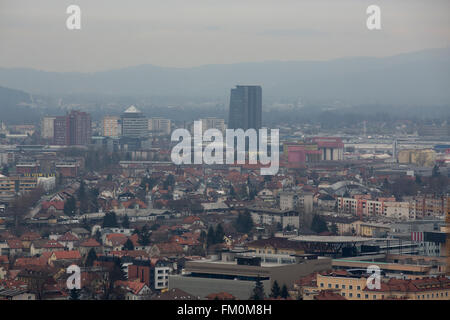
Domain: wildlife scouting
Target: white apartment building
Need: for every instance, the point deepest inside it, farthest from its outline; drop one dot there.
(47, 127)
(213, 123)
(293, 200)
(160, 126)
(111, 126)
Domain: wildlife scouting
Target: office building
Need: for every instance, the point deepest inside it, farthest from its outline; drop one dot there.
(236, 272)
(159, 126)
(134, 123)
(245, 108)
(213, 123)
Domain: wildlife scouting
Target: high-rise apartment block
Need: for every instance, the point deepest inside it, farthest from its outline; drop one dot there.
(47, 127)
(72, 129)
(213, 123)
(111, 126)
(160, 126)
(245, 108)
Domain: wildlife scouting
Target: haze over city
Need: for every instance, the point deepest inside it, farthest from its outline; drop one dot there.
(231, 158)
(178, 33)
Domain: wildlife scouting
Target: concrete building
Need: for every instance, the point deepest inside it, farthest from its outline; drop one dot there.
(362, 205)
(296, 201)
(270, 216)
(332, 149)
(134, 123)
(72, 129)
(160, 126)
(12, 185)
(237, 273)
(245, 108)
(354, 287)
(111, 126)
(213, 123)
(47, 129)
(419, 157)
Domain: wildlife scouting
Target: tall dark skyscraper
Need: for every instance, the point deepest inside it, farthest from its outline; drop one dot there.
(245, 108)
(73, 129)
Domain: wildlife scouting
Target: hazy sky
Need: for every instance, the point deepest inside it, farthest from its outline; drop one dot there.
(184, 33)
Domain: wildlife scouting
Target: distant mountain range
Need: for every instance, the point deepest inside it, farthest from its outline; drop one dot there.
(419, 78)
(15, 106)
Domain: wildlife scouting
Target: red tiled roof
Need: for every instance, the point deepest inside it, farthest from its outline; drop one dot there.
(53, 244)
(90, 243)
(14, 243)
(328, 295)
(67, 255)
(167, 248)
(29, 236)
(58, 205)
(134, 286)
(34, 261)
(68, 236)
(190, 219)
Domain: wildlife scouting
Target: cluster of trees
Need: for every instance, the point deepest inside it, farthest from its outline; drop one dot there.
(214, 236)
(244, 222)
(88, 200)
(22, 204)
(318, 225)
(276, 292)
(144, 235)
(110, 220)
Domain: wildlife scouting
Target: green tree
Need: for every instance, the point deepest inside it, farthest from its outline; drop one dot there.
(98, 236)
(219, 234)
(418, 180)
(126, 222)
(202, 238)
(284, 292)
(74, 294)
(258, 290)
(70, 206)
(128, 245)
(210, 237)
(90, 258)
(144, 236)
(275, 292)
(334, 229)
(318, 225)
(244, 222)
(169, 182)
(82, 197)
(110, 220)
